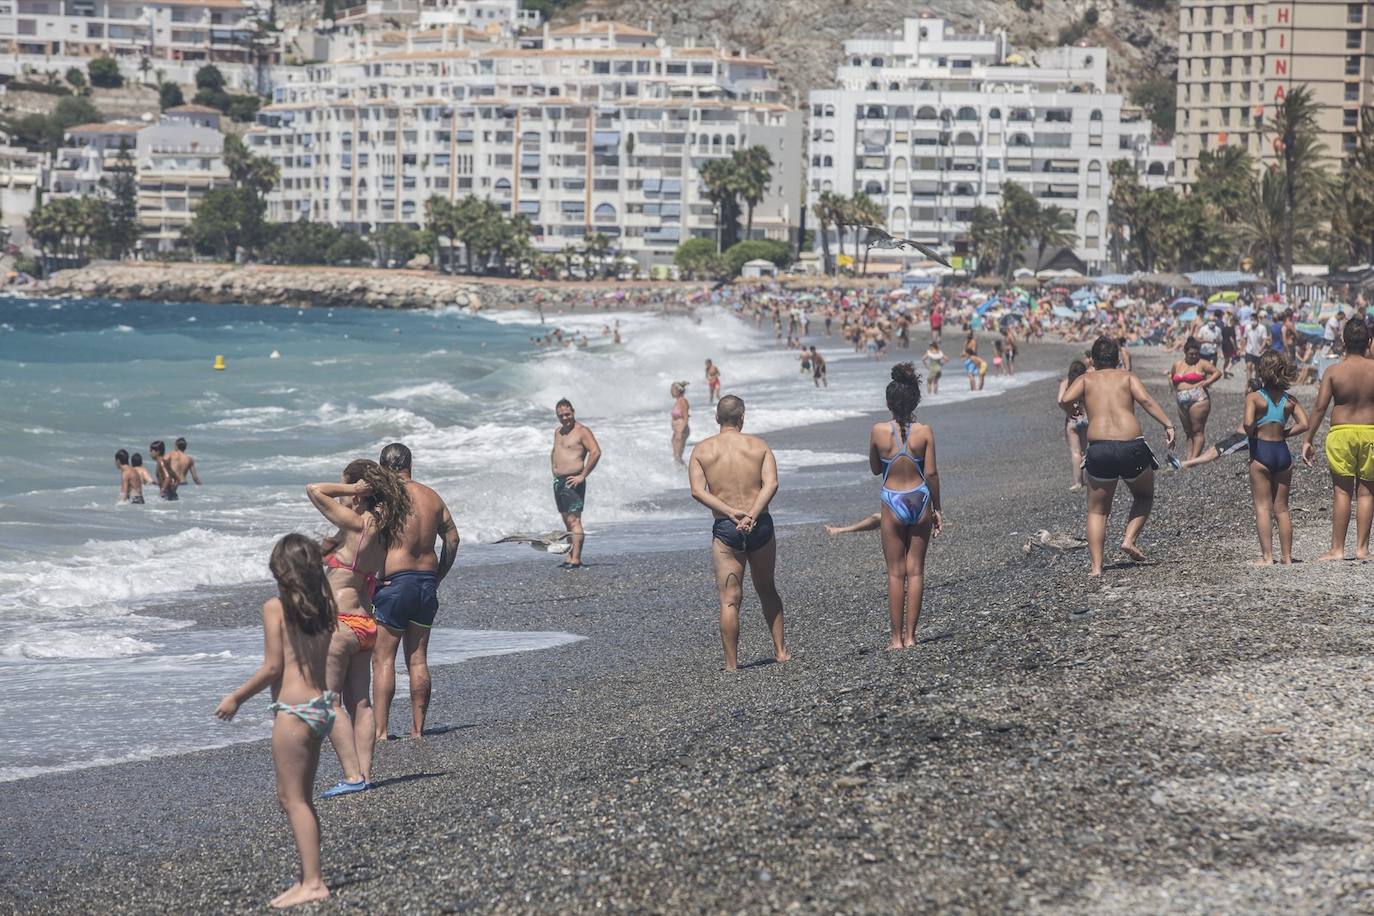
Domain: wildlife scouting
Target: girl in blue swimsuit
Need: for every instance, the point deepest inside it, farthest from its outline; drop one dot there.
(903, 452)
(1271, 416)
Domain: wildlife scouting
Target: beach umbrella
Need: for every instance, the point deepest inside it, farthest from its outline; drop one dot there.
(1228, 296)
(1183, 301)
(1079, 294)
(1220, 307)
(990, 303)
(1190, 315)
(1060, 311)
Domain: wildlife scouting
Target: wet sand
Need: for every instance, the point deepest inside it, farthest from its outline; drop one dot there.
(1189, 736)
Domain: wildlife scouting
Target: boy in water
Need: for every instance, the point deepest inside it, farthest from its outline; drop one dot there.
(167, 479)
(130, 480)
(1350, 441)
(182, 463)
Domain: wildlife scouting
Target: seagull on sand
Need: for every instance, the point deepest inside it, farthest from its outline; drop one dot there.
(551, 542)
(879, 238)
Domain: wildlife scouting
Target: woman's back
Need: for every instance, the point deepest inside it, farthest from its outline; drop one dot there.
(904, 466)
(354, 565)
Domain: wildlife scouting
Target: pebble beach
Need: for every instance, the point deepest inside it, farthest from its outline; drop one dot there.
(1191, 735)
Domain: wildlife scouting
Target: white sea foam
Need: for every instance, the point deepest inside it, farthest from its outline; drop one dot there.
(429, 391)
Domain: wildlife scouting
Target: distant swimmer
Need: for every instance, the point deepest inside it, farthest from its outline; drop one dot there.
(407, 598)
(182, 463)
(130, 480)
(974, 365)
(903, 452)
(136, 462)
(713, 381)
(736, 476)
(370, 507)
(297, 625)
(680, 419)
(167, 479)
(574, 456)
(1117, 450)
(1347, 388)
(818, 375)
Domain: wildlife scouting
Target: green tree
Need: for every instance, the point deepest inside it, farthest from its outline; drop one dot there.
(1225, 179)
(722, 189)
(396, 244)
(76, 79)
(350, 248)
(1354, 217)
(243, 108)
(1158, 97)
(105, 73)
(597, 250)
(228, 223)
(753, 172)
(861, 211)
(1294, 131)
(1052, 228)
(984, 236)
(1264, 230)
(247, 169)
(122, 186)
(169, 96)
(780, 253)
(829, 211)
(1016, 216)
(698, 259)
(210, 78)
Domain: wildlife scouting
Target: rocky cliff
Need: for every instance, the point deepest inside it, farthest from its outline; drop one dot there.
(805, 36)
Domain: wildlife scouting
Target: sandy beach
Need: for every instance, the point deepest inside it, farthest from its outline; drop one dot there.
(1187, 736)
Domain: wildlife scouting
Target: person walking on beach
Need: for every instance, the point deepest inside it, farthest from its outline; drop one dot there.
(297, 627)
(1347, 388)
(903, 452)
(575, 454)
(130, 480)
(407, 598)
(680, 419)
(1117, 450)
(370, 520)
(1191, 377)
(182, 463)
(1268, 410)
(736, 476)
(1075, 426)
(713, 381)
(167, 479)
(935, 366)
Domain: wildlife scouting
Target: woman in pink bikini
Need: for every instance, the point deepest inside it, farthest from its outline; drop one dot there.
(370, 508)
(1190, 378)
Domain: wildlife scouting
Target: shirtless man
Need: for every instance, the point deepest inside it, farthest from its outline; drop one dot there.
(1350, 441)
(130, 480)
(736, 476)
(167, 479)
(818, 368)
(408, 595)
(575, 454)
(182, 463)
(1116, 448)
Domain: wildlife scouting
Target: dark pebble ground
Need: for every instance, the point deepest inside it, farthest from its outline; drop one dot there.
(1191, 736)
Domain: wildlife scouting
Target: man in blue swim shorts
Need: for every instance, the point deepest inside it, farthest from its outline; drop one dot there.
(408, 597)
(736, 476)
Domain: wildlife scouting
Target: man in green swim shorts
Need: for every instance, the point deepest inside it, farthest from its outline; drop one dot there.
(575, 454)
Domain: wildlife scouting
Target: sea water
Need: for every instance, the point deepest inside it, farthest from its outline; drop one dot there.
(304, 392)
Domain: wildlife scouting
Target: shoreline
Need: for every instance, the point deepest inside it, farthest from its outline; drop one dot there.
(349, 287)
(1054, 744)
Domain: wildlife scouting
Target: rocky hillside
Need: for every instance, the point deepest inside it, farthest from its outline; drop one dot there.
(804, 36)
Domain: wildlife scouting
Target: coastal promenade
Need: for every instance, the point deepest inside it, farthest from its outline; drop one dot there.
(1191, 736)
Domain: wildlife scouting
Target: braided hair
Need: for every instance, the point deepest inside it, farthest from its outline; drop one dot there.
(903, 395)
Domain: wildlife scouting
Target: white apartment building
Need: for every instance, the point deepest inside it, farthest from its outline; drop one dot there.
(175, 36)
(930, 123)
(22, 174)
(480, 14)
(601, 128)
(177, 159)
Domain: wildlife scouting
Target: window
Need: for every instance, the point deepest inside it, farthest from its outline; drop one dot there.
(1350, 118)
(1352, 92)
(1354, 13)
(1352, 40)
(1352, 65)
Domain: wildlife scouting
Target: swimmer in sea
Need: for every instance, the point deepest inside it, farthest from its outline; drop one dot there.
(713, 381)
(167, 479)
(182, 463)
(680, 419)
(130, 480)
(818, 375)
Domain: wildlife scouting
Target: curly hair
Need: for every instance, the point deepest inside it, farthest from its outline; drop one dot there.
(1275, 371)
(389, 502)
(903, 395)
(306, 598)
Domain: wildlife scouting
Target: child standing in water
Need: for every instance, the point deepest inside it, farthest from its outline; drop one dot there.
(297, 627)
(1268, 410)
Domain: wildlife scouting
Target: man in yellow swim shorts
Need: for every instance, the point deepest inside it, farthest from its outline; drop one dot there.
(1348, 389)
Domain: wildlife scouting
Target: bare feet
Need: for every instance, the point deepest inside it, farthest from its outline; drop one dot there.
(1286, 561)
(1331, 555)
(894, 644)
(1075, 488)
(783, 656)
(832, 529)
(297, 894)
(1094, 573)
(1134, 553)
(1361, 554)
(1262, 562)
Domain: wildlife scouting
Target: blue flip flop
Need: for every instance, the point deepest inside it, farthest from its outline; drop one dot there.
(345, 788)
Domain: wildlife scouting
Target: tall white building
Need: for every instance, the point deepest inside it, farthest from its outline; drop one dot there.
(931, 123)
(175, 36)
(601, 128)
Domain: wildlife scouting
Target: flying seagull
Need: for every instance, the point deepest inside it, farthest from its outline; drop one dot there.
(552, 542)
(879, 238)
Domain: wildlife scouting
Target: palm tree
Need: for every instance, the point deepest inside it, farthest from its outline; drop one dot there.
(1294, 130)
(1225, 178)
(722, 189)
(439, 223)
(1052, 228)
(864, 211)
(753, 172)
(1016, 215)
(1264, 231)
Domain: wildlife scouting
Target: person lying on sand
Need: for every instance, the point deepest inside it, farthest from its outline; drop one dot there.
(736, 476)
(871, 523)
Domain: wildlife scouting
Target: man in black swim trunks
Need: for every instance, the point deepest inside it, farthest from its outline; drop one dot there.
(818, 368)
(1117, 450)
(736, 476)
(167, 479)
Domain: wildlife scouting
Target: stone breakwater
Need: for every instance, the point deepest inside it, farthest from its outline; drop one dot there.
(337, 287)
